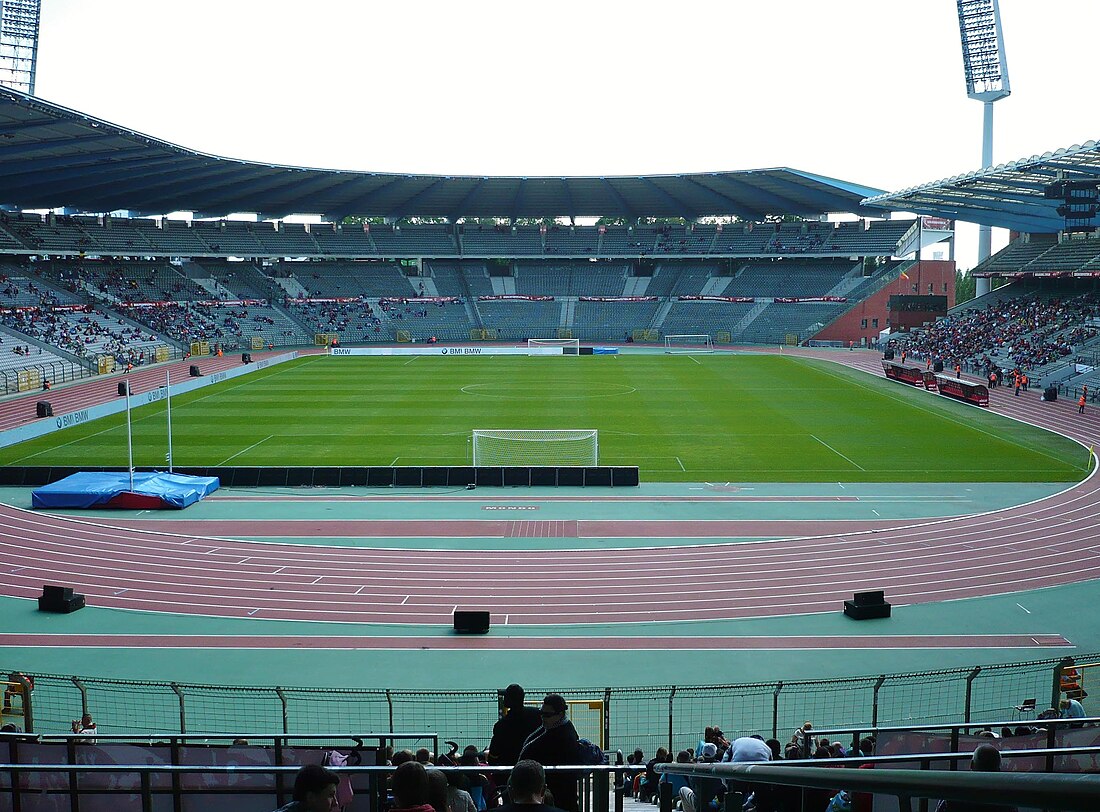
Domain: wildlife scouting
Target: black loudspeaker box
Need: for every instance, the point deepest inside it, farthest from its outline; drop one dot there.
(195, 373)
(867, 605)
(246, 358)
(123, 386)
(888, 355)
(59, 599)
(43, 408)
(471, 621)
(937, 365)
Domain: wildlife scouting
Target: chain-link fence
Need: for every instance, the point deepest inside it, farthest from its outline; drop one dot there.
(646, 718)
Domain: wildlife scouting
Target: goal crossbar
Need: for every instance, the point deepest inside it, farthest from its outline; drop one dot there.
(689, 343)
(532, 447)
(569, 346)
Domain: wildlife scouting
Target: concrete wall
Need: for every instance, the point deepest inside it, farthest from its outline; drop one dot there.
(849, 325)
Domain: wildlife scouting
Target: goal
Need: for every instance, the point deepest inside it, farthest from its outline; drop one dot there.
(688, 343)
(536, 447)
(569, 346)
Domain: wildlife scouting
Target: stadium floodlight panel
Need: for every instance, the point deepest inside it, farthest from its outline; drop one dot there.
(983, 50)
(19, 43)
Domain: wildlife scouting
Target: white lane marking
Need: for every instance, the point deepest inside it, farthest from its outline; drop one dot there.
(395, 459)
(1024, 608)
(696, 360)
(410, 360)
(243, 450)
(856, 464)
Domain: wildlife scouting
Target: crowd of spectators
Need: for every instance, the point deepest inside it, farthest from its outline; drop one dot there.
(1026, 332)
(82, 335)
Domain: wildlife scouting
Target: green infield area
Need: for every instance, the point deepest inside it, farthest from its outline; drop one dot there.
(679, 418)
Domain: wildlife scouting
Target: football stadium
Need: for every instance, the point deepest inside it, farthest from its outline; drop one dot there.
(736, 472)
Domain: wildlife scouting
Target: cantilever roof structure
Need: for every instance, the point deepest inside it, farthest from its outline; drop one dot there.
(1009, 195)
(54, 157)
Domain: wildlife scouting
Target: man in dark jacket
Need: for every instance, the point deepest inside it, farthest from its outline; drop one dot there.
(518, 722)
(554, 744)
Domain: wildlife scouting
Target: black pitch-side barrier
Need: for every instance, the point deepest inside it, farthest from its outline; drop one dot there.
(602, 476)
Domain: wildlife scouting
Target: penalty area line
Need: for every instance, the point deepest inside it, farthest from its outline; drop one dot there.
(856, 464)
(682, 468)
(243, 450)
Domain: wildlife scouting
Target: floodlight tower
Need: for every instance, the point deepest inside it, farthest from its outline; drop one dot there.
(987, 81)
(19, 43)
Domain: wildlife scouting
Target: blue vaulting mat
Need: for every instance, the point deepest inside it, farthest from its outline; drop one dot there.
(97, 489)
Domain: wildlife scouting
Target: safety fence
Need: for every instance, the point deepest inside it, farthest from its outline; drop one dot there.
(231, 782)
(615, 718)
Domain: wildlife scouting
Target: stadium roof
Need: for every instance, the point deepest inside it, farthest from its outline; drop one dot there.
(53, 157)
(1009, 195)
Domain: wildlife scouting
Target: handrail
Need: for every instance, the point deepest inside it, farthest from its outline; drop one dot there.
(1044, 791)
(167, 737)
(1059, 722)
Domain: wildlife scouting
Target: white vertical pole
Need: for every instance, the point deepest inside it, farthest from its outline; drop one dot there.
(129, 436)
(168, 399)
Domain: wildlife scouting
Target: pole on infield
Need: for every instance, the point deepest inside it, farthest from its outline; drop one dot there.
(129, 437)
(168, 399)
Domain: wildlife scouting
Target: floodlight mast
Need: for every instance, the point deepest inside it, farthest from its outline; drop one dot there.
(19, 43)
(986, 71)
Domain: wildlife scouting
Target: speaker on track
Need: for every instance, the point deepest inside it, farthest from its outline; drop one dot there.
(468, 621)
(43, 408)
(194, 371)
(246, 358)
(123, 387)
(59, 599)
(867, 605)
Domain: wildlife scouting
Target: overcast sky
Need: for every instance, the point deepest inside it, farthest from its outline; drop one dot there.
(869, 91)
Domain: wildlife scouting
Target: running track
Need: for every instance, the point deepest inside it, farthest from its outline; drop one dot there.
(1051, 542)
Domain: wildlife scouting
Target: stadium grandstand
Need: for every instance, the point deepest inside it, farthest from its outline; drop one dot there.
(728, 474)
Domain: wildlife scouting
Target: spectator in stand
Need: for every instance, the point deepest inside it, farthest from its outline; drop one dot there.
(677, 782)
(410, 788)
(986, 759)
(747, 749)
(437, 791)
(314, 790)
(554, 744)
(703, 789)
(85, 727)
(1071, 709)
(527, 789)
(650, 779)
(517, 723)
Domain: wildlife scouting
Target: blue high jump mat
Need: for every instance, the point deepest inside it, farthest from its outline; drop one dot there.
(109, 489)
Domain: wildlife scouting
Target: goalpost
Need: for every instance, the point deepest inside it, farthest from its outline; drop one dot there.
(688, 344)
(569, 346)
(536, 447)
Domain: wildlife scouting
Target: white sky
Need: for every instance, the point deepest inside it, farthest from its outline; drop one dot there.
(869, 91)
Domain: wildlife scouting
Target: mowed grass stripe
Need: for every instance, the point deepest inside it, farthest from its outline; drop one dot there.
(730, 418)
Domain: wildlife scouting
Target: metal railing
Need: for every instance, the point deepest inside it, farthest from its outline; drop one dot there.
(262, 785)
(645, 717)
(56, 372)
(1042, 791)
(1048, 727)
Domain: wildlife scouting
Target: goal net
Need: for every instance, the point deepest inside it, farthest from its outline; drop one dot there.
(688, 343)
(569, 346)
(535, 447)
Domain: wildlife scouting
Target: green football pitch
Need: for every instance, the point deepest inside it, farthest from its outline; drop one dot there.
(678, 418)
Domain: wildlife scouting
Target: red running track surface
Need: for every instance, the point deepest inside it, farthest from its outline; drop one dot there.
(1020, 548)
